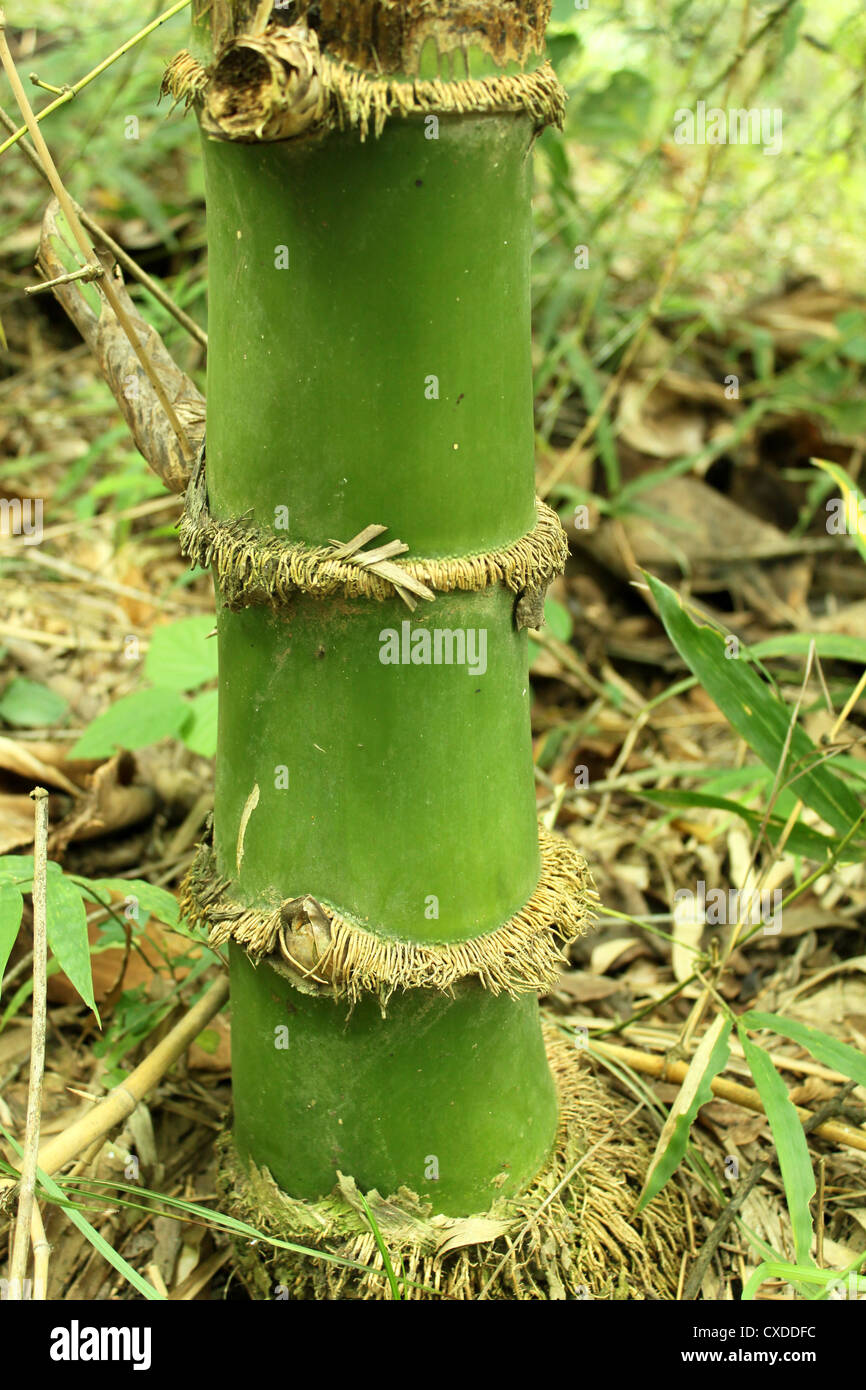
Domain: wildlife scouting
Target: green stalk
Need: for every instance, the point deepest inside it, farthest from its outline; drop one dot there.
(369, 362)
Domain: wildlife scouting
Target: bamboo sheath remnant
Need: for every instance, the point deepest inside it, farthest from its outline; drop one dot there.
(325, 953)
(252, 566)
(280, 85)
(571, 1233)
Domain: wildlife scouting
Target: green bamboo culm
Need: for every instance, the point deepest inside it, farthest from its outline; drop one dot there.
(390, 905)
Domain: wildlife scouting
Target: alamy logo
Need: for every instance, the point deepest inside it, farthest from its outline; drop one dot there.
(21, 518)
(76, 1343)
(438, 646)
(738, 126)
(718, 908)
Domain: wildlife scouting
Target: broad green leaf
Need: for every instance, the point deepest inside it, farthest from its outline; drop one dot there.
(182, 656)
(852, 326)
(11, 909)
(200, 731)
(29, 705)
(710, 1058)
(135, 721)
(20, 866)
(791, 1147)
(147, 896)
(755, 712)
(801, 839)
(823, 1048)
(67, 935)
(558, 619)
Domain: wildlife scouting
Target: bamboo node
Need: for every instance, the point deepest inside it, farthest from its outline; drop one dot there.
(571, 1234)
(324, 952)
(254, 567)
(279, 85)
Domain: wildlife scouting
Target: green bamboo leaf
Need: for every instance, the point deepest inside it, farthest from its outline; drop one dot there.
(853, 502)
(67, 934)
(158, 902)
(135, 721)
(823, 1048)
(754, 712)
(791, 1147)
(11, 910)
(801, 839)
(20, 868)
(829, 646)
(710, 1058)
(30, 705)
(182, 655)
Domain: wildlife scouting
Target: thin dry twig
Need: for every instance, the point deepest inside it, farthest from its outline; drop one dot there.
(74, 224)
(746, 1096)
(573, 452)
(123, 258)
(123, 1099)
(67, 92)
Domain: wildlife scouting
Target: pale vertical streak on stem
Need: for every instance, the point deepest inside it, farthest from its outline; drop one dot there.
(24, 1220)
(573, 452)
(80, 235)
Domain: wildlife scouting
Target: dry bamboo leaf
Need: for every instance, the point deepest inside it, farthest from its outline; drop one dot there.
(15, 757)
(16, 822)
(687, 930)
(473, 1230)
(115, 799)
(153, 434)
(658, 424)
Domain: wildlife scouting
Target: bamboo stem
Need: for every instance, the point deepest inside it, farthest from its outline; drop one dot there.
(26, 1205)
(41, 1255)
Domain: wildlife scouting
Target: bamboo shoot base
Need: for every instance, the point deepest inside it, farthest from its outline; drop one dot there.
(570, 1235)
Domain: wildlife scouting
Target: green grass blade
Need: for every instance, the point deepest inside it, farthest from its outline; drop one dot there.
(801, 839)
(383, 1249)
(853, 500)
(710, 1058)
(791, 1147)
(99, 1243)
(822, 1047)
(754, 712)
